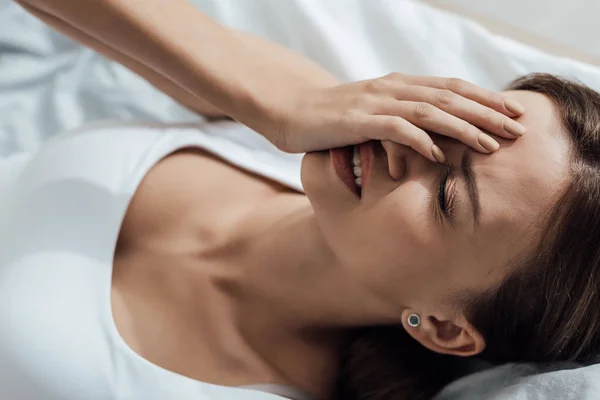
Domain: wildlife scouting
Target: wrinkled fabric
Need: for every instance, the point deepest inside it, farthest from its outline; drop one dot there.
(48, 85)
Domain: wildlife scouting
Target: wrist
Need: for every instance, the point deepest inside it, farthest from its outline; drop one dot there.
(263, 111)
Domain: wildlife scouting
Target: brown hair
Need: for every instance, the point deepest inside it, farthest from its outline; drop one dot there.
(546, 310)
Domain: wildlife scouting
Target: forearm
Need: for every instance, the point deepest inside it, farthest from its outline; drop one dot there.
(165, 85)
(185, 53)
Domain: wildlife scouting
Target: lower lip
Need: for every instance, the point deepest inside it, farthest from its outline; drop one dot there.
(341, 160)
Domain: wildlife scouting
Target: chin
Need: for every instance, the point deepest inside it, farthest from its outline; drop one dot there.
(329, 197)
(314, 174)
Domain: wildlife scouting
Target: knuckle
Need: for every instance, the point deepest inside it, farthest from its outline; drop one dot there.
(395, 126)
(445, 97)
(455, 84)
(423, 111)
(494, 117)
(403, 135)
(468, 133)
(490, 115)
(375, 85)
(352, 113)
(352, 116)
(394, 76)
(364, 101)
(354, 122)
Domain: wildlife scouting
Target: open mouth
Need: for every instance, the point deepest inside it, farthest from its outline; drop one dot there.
(348, 167)
(357, 168)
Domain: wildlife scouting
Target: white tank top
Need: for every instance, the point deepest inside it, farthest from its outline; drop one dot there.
(60, 215)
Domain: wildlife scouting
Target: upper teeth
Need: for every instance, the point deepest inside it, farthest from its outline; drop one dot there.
(356, 167)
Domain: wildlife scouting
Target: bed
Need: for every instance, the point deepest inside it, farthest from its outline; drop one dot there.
(48, 84)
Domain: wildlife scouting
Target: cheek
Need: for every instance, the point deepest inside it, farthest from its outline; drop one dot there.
(393, 234)
(389, 242)
(335, 207)
(399, 252)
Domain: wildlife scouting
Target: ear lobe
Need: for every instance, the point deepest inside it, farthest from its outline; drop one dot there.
(454, 336)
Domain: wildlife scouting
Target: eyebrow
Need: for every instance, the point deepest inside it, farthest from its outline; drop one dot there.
(466, 168)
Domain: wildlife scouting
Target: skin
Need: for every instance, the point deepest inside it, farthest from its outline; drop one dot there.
(262, 282)
(415, 258)
(290, 100)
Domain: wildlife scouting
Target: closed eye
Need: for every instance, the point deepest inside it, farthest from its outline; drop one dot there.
(446, 192)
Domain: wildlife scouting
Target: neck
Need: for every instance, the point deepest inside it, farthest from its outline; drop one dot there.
(286, 292)
(281, 271)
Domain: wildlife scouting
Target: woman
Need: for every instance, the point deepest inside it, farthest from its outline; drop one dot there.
(543, 308)
(212, 274)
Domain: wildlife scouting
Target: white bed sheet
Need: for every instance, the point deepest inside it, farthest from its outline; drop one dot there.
(571, 23)
(48, 85)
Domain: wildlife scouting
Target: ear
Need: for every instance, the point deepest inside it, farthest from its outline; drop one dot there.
(445, 333)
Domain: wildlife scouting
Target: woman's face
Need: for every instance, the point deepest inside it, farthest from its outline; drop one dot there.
(398, 242)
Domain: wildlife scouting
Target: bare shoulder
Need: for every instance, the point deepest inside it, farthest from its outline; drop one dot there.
(190, 191)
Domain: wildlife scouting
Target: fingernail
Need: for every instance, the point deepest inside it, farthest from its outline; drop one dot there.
(514, 107)
(488, 143)
(438, 154)
(512, 126)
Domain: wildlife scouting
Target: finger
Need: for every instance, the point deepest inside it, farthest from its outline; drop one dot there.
(400, 131)
(494, 100)
(431, 118)
(463, 108)
(396, 167)
(396, 164)
(391, 148)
